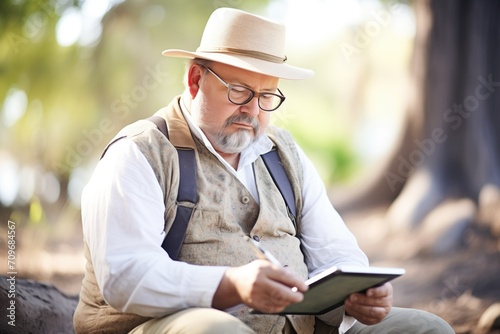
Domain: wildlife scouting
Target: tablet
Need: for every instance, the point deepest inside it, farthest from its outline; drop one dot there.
(329, 289)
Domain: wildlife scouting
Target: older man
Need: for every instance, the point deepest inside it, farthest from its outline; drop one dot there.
(212, 278)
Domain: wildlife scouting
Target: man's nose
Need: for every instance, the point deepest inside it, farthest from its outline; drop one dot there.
(252, 107)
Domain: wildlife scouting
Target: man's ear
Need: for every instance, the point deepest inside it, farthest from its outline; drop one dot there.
(193, 79)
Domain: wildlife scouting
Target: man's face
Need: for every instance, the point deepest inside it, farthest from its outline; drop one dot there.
(230, 127)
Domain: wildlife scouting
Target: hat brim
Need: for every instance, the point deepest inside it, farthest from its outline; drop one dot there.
(278, 70)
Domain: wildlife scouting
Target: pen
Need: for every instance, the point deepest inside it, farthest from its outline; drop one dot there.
(261, 252)
(264, 254)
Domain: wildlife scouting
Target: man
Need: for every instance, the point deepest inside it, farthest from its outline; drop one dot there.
(131, 283)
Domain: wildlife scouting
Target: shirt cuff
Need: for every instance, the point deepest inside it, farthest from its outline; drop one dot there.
(347, 323)
(339, 319)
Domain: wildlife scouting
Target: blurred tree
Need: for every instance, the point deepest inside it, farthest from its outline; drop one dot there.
(37, 87)
(138, 79)
(450, 149)
(61, 103)
(31, 61)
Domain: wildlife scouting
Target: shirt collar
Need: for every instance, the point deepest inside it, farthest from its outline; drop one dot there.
(261, 146)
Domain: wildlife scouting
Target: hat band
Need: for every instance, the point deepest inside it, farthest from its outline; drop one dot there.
(248, 53)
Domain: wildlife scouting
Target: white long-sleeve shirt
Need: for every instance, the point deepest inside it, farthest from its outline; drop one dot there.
(123, 221)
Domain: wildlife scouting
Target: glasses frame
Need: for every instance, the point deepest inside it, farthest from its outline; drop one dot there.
(252, 93)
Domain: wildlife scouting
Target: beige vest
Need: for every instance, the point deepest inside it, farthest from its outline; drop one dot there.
(225, 213)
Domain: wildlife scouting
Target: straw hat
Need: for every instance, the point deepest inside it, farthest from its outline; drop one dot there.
(247, 41)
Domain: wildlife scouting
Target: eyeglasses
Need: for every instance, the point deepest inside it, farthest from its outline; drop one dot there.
(241, 95)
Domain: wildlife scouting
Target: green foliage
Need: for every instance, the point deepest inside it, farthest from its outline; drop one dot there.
(71, 89)
(332, 154)
(79, 96)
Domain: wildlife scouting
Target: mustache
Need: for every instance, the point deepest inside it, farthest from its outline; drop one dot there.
(243, 119)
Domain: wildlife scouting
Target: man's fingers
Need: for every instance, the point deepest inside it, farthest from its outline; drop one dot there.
(266, 287)
(279, 292)
(378, 296)
(380, 291)
(274, 303)
(276, 299)
(366, 314)
(285, 293)
(370, 307)
(362, 299)
(288, 278)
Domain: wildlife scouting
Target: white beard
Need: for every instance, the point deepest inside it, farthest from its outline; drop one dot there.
(234, 142)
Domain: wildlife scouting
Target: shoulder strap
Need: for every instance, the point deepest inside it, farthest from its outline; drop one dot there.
(280, 178)
(187, 195)
(160, 123)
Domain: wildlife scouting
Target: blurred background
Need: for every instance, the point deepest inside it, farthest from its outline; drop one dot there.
(401, 119)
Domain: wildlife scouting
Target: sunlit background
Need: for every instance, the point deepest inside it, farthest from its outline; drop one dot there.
(74, 72)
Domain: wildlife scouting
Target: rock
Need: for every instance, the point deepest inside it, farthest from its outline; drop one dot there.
(34, 307)
(490, 320)
(444, 228)
(489, 208)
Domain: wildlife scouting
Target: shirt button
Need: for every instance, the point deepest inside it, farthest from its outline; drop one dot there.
(256, 238)
(245, 200)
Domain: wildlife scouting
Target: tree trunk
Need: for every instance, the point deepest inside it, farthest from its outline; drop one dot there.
(389, 176)
(458, 155)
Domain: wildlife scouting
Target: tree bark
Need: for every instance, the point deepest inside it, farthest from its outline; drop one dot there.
(458, 154)
(389, 176)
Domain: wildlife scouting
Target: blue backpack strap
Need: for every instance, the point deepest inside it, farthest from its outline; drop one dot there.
(187, 195)
(275, 167)
(188, 192)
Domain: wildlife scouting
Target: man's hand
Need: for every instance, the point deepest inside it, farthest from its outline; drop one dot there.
(260, 285)
(371, 307)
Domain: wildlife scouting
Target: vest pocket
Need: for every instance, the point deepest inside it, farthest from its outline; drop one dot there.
(204, 227)
(202, 237)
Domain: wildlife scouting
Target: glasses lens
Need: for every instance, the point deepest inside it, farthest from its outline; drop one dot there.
(242, 95)
(239, 94)
(269, 102)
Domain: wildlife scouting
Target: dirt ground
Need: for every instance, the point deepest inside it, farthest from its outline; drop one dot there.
(459, 286)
